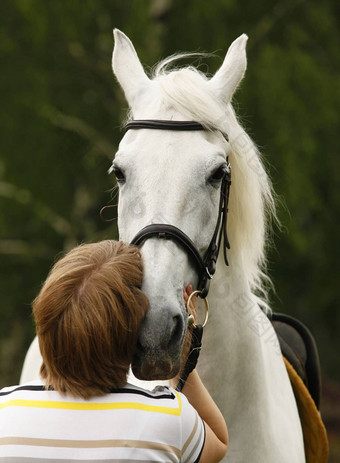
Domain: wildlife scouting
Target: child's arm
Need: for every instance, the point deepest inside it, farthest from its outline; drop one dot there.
(216, 440)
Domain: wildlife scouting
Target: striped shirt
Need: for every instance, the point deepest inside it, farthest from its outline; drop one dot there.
(129, 424)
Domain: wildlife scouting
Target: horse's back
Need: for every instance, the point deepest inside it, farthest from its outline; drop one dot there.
(32, 363)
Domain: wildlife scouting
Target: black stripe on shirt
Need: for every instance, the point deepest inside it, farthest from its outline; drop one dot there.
(37, 388)
(168, 395)
(24, 388)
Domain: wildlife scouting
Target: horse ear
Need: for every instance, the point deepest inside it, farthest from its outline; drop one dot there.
(127, 67)
(230, 74)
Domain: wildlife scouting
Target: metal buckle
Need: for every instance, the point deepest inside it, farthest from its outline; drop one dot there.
(210, 275)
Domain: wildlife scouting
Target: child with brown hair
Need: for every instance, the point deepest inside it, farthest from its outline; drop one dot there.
(87, 316)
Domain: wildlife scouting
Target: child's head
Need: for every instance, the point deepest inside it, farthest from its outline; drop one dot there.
(88, 315)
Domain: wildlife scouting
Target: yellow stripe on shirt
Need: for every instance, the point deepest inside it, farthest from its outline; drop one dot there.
(93, 406)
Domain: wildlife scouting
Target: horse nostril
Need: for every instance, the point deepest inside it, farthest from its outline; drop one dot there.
(177, 330)
(139, 347)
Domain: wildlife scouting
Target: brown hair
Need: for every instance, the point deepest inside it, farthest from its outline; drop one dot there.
(88, 315)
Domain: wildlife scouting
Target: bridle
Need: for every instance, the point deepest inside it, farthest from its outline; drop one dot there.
(205, 266)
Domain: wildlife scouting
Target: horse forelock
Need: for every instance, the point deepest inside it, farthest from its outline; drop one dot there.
(186, 91)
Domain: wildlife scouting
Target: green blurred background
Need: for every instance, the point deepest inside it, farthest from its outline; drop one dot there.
(60, 118)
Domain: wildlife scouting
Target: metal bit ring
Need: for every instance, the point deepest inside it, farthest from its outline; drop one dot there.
(191, 320)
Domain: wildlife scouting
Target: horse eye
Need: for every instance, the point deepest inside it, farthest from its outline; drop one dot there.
(218, 174)
(119, 174)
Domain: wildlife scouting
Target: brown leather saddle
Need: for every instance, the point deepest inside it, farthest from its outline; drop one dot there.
(298, 346)
(301, 359)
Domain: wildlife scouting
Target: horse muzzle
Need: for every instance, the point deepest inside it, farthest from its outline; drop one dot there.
(159, 347)
(151, 369)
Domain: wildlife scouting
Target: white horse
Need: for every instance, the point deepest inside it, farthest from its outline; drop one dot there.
(174, 177)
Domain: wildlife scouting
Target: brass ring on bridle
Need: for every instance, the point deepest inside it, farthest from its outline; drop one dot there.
(191, 320)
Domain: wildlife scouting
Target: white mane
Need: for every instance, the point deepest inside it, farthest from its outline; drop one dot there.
(251, 203)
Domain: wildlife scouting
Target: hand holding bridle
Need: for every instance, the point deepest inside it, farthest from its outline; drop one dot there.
(196, 331)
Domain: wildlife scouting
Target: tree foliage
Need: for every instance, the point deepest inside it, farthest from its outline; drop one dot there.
(60, 125)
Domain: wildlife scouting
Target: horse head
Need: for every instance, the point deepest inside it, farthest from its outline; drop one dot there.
(172, 177)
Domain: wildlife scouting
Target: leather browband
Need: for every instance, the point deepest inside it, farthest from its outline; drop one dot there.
(159, 124)
(163, 125)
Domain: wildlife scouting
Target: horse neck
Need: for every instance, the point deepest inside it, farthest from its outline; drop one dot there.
(242, 367)
(239, 339)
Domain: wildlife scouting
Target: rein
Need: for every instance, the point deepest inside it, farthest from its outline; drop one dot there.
(205, 266)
